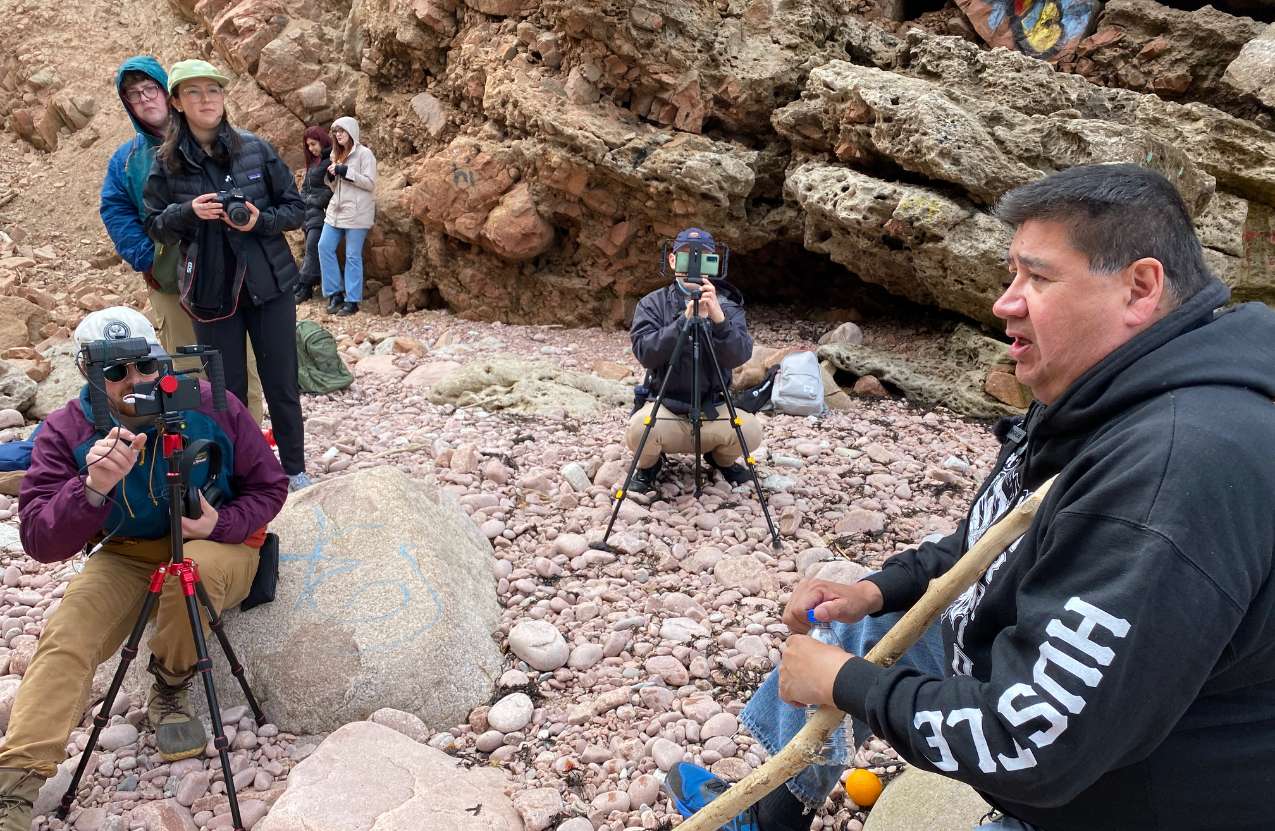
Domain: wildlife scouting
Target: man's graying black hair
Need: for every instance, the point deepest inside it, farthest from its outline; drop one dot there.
(1117, 213)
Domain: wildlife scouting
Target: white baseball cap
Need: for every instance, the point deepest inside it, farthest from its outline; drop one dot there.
(116, 323)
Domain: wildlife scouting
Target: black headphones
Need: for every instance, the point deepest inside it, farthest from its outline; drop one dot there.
(202, 451)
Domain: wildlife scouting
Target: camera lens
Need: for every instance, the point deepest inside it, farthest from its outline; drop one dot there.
(238, 214)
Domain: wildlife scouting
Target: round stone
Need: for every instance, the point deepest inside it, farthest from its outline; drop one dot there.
(540, 644)
(511, 713)
(722, 724)
(666, 753)
(117, 736)
(585, 655)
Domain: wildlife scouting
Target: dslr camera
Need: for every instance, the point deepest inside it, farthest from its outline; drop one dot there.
(235, 205)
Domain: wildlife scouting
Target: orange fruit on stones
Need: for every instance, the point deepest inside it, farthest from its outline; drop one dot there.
(863, 786)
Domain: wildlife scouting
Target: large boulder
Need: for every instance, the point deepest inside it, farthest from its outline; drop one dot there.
(1149, 46)
(985, 146)
(944, 252)
(528, 388)
(252, 108)
(62, 385)
(953, 374)
(1252, 73)
(918, 800)
(17, 390)
(366, 776)
(385, 599)
(295, 69)
(981, 122)
(20, 322)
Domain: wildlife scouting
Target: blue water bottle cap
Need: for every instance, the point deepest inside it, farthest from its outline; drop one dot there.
(810, 616)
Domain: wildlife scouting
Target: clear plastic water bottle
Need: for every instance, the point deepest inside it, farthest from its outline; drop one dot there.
(836, 748)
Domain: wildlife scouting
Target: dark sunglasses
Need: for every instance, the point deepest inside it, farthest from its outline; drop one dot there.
(119, 372)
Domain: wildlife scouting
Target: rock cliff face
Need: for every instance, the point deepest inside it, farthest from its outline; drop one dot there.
(534, 153)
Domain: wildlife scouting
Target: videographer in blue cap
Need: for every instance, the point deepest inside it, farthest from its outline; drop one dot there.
(657, 325)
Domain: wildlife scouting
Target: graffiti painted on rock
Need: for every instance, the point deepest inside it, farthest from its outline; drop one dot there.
(406, 605)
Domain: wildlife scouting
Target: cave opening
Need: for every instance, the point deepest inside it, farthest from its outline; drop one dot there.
(913, 9)
(811, 286)
(1263, 10)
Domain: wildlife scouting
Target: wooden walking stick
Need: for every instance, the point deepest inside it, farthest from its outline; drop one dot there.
(803, 749)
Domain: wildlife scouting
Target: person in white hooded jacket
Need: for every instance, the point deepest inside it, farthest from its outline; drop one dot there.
(350, 214)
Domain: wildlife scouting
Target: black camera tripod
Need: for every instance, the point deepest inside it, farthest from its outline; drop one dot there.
(695, 330)
(186, 573)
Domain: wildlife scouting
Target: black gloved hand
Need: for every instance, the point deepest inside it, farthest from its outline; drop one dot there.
(340, 171)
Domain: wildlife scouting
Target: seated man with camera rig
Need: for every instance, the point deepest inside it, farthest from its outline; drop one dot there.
(100, 482)
(657, 326)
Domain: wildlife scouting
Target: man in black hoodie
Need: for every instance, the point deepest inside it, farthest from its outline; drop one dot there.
(657, 325)
(1114, 668)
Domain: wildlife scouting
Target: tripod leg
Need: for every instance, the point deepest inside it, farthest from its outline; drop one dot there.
(637, 454)
(697, 412)
(190, 579)
(127, 654)
(236, 669)
(736, 423)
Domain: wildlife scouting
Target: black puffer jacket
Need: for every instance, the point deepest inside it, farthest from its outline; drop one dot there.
(657, 323)
(315, 191)
(219, 262)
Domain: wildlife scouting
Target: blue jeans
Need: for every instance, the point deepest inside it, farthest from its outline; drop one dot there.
(331, 270)
(773, 722)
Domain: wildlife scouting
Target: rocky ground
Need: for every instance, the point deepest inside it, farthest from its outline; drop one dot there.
(681, 599)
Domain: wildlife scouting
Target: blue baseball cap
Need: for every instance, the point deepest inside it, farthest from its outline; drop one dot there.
(689, 235)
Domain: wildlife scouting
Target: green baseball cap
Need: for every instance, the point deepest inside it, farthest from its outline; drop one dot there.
(195, 68)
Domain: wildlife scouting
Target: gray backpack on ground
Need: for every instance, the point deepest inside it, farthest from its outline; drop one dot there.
(798, 386)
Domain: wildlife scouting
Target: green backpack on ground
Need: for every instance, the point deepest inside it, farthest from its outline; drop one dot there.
(319, 367)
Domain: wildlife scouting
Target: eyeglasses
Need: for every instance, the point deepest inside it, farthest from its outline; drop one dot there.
(206, 94)
(119, 372)
(142, 92)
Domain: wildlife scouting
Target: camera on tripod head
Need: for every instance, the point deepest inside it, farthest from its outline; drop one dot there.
(692, 258)
(235, 204)
(170, 393)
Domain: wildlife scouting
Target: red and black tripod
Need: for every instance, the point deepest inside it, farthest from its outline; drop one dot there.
(186, 572)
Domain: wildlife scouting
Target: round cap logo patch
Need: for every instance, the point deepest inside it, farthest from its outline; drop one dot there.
(116, 330)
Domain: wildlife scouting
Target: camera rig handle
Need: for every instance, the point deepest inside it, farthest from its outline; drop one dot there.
(97, 398)
(211, 359)
(94, 357)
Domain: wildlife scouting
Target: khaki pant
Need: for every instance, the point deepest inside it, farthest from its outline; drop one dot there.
(97, 614)
(175, 329)
(672, 434)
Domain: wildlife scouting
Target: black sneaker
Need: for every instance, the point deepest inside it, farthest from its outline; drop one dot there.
(334, 301)
(736, 474)
(645, 478)
(347, 309)
(303, 292)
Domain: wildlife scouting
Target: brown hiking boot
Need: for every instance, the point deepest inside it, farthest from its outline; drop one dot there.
(179, 734)
(18, 790)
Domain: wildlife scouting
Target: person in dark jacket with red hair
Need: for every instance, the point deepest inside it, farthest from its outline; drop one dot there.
(317, 195)
(86, 489)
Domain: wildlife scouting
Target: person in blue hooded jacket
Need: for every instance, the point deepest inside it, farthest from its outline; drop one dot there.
(142, 86)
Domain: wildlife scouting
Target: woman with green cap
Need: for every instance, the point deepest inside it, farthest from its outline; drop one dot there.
(225, 197)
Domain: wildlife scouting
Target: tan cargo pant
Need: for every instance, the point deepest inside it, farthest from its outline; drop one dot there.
(97, 614)
(175, 329)
(672, 434)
